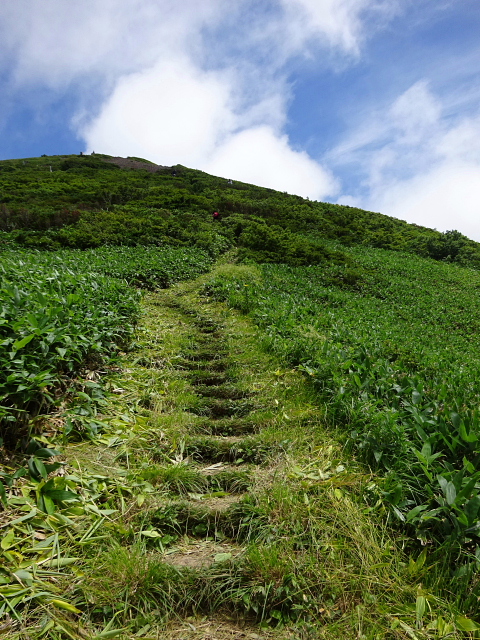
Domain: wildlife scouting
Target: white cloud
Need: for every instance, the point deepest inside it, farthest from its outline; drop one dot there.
(260, 156)
(337, 23)
(176, 114)
(420, 166)
(172, 113)
(414, 113)
(446, 198)
(56, 42)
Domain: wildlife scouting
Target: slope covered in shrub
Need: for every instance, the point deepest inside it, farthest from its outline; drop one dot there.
(89, 201)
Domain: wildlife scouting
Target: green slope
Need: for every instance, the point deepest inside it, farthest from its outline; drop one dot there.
(87, 201)
(379, 316)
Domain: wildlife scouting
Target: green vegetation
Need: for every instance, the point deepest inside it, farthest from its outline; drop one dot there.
(394, 360)
(67, 311)
(89, 201)
(148, 524)
(169, 463)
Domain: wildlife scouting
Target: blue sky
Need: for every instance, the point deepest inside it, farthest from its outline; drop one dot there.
(373, 103)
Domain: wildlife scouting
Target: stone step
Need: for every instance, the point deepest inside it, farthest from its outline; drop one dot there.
(227, 449)
(209, 379)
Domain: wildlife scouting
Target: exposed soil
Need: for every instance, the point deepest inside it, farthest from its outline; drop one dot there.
(202, 554)
(129, 163)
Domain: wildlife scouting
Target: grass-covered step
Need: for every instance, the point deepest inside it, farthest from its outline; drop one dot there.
(227, 426)
(214, 365)
(224, 391)
(262, 583)
(211, 352)
(208, 326)
(221, 408)
(195, 554)
(227, 479)
(209, 379)
(218, 518)
(153, 588)
(186, 479)
(235, 449)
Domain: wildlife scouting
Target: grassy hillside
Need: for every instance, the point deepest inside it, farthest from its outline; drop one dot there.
(291, 441)
(88, 201)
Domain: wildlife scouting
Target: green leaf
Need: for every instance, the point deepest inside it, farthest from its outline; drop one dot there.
(61, 604)
(113, 633)
(151, 534)
(450, 493)
(46, 453)
(420, 610)
(467, 489)
(416, 397)
(420, 561)
(443, 483)
(467, 437)
(59, 495)
(19, 344)
(3, 493)
(455, 418)
(471, 509)
(60, 562)
(415, 511)
(466, 624)
(40, 468)
(222, 557)
(24, 577)
(7, 540)
(48, 504)
(29, 516)
(32, 446)
(427, 450)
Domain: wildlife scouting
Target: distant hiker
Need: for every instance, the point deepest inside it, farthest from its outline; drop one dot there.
(216, 215)
(174, 173)
(81, 153)
(230, 182)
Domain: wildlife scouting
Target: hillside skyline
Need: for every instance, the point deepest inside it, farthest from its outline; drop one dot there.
(374, 104)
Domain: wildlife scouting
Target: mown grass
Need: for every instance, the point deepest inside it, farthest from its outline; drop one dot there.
(312, 554)
(315, 560)
(392, 358)
(81, 202)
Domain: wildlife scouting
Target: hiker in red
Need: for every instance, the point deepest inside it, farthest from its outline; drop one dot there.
(216, 215)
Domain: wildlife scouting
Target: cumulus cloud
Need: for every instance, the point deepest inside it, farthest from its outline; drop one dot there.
(201, 84)
(172, 113)
(176, 114)
(260, 156)
(420, 165)
(446, 193)
(446, 198)
(56, 42)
